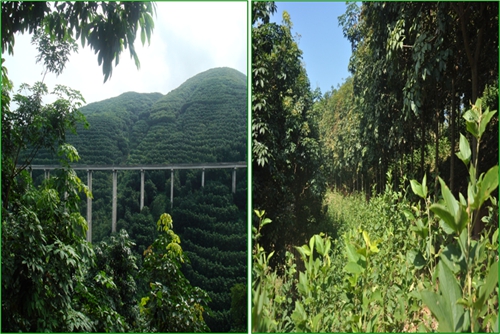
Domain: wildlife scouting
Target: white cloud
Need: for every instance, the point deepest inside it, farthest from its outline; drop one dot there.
(189, 38)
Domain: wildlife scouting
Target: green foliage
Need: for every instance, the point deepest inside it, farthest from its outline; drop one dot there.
(45, 255)
(239, 307)
(263, 10)
(90, 22)
(108, 296)
(359, 282)
(141, 226)
(34, 126)
(112, 135)
(203, 120)
(398, 262)
(468, 273)
(308, 316)
(340, 132)
(263, 312)
(62, 283)
(414, 66)
(286, 154)
(54, 53)
(207, 124)
(52, 279)
(172, 305)
(214, 235)
(210, 125)
(382, 274)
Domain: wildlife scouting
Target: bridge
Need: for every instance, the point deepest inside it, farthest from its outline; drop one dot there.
(142, 168)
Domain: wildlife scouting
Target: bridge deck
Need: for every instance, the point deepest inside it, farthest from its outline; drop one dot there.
(209, 165)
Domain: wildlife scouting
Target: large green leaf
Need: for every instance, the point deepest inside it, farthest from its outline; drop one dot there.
(461, 217)
(434, 303)
(451, 292)
(353, 268)
(465, 152)
(299, 315)
(303, 285)
(485, 119)
(490, 283)
(352, 255)
(472, 117)
(316, 322)
(488, 183)
(417, 188)
(446, 228)
(445, 215)
(304, 251)
(448, 197)
(453, 258)
(451, 316)
(415, 257)
(320, 245)
(453, 213)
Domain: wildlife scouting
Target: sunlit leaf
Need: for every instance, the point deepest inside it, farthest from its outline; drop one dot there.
(442, 212)
(465, 153)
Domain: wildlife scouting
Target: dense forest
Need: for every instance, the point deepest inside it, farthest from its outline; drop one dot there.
(375, 203)
(177, 266)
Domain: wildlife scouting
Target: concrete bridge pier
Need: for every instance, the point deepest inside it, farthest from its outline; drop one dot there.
(113, 217)
(171, 188)
(234, 180)
(89, 206)
(203, 178)
(142, 189)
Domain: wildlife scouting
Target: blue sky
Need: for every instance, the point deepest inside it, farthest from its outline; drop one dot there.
(326, 52)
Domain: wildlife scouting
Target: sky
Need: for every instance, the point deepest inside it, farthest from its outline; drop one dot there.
(326, 51)
(188, 38)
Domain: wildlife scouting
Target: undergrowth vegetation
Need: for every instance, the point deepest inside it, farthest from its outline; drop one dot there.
(404, 260)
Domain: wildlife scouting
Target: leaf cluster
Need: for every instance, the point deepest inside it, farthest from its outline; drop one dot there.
(172, 304)
(107, 27)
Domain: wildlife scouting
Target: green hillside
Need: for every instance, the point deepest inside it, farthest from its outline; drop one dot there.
(203, 120)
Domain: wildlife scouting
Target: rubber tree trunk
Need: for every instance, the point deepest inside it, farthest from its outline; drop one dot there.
(473, 52)
(437, 152)
(422, 146)
(452, 136)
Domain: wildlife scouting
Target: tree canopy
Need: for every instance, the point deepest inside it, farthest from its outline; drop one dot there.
(107, 27)
(286, 155)
(414, 66)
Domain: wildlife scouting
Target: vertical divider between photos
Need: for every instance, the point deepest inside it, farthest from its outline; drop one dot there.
(249, 163)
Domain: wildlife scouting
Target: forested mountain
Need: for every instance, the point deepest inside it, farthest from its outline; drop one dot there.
(203, 120)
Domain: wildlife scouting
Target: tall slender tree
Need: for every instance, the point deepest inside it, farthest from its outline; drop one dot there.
(287, 179)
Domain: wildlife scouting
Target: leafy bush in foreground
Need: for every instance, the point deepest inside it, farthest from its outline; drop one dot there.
(398, 266)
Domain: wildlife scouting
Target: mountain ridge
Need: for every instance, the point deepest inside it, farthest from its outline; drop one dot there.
(195, 122)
